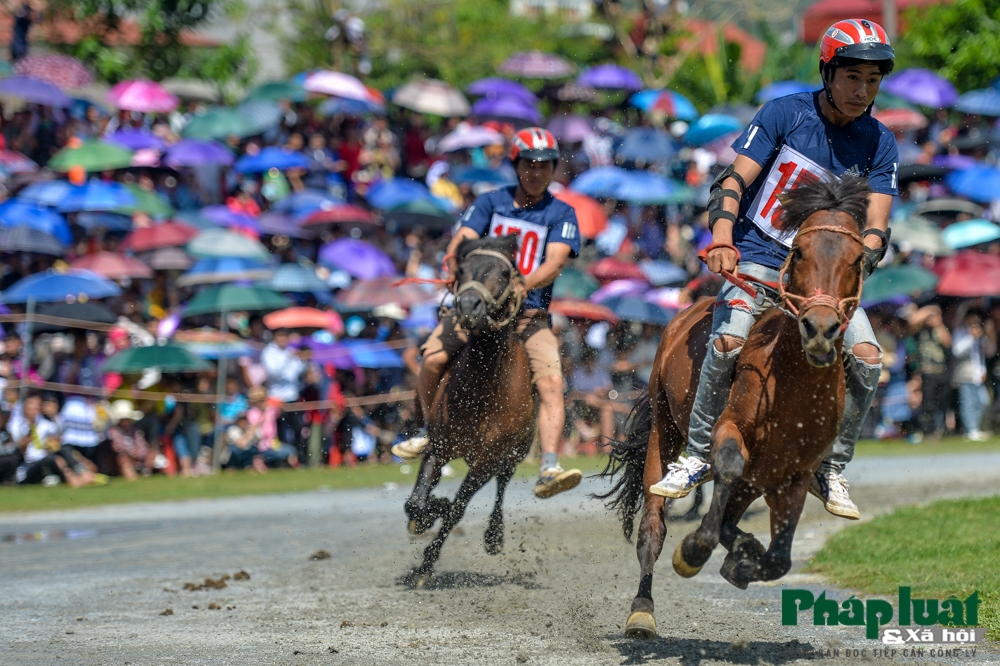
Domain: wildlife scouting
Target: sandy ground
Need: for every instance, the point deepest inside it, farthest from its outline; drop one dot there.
(92, 586)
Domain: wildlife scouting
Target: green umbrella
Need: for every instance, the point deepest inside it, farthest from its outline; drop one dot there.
(574, 283)
(168, 358)
(904, 280)
(682, 194)
(225, 243)
(277, 91)
(153, 204)
(886, 101)
(218, 123)
(420, 213)
(92, 155)
(233, 298)
(921, 234)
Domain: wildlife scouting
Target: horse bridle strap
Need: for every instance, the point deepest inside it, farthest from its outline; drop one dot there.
(798, 306)
(494, 304)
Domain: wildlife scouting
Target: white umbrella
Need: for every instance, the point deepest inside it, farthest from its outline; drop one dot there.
(337, 84)
(431, 96)
(470, 136)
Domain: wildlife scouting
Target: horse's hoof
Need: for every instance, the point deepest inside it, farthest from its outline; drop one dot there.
(424, 580)
(682, 568)
(641, 625)
(494, 547)
(731, 572)
(414, 528)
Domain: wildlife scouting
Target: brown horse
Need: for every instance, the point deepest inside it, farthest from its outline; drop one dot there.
(783, 413)
(484, 409)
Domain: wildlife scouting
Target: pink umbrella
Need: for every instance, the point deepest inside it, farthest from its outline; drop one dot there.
(337, 84)
(536, 65)
(629, 287)
(470, 136)
(143, 96)
(570, 128)
(113, 266)
(59, 70)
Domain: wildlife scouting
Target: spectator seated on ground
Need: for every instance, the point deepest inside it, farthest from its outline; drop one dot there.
(244, 442)
(132, 453)
(263, 417)
(10, 454)
(45, 460)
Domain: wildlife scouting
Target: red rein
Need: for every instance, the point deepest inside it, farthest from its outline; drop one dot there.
(444, 269)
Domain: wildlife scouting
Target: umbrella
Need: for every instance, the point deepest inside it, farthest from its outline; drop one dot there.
(337, 84)
(209, 343)
(645, 144)
(304, 318)
(106, 221)
(17, 214)
(15, 162)
(609, 269)
(143, 96)
(89, 311)
(631, 308)
(569, 92)
(262, 114)
(168, 234)
(306, 201)
(980, 102)
(45, 192)
(60, 70)
(619, 288)
(167, 259)
(92, 155)
(234, 298)
(574, 283)
(218, 122)
(366, 295)
(23, 239)
(886, 101)
(193, 90)
(590, 215)
(34, 91)
(192, 152)
(168, 358)
(295, 278)
(470, 174)
(498, 87)
(644, 188)
(911, 172)
(668, 102)
(396, 192)
(981, 183)
(432, 97)
(610, 77)
(113, 266)
(358, 258)
(54, 287)
(745, 113)
(712, 126)
(920, 234)
(901, 120)
(279, 90)
(893, 282)
(660, 273)
(512, 108)
(783, 89)
(96, 195)
(352, 108)
(923, 87)
(217, 270)
(341, 214)
(536, 65)
(280, 224)
(420, 213)
(579, 309)
(372, 354)
(969, 233)
(137, 139)
(224, 216)
(224, 243)
(969, 274)
(269, 158)
(470, 136)
(600, 182)
(570, 128)
(150, 202)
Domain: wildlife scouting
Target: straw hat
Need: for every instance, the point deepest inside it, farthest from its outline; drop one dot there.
(390, 311)
(124, 409)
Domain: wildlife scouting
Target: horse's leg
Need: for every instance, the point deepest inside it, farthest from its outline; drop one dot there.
(416, 507)
(727, 461)
(494, 531)
(742, 546)
(474, 480)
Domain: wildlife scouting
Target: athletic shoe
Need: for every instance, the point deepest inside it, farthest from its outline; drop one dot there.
(413, 447)
(832, 488)
(682, 477)
(977, 436)
(51, 480)
(555, 480)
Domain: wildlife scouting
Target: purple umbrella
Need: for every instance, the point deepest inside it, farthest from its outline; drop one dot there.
(611, 77)
(192, 152)
(619, 288)
(536, 65)
(497, 87)
(960, 162)
(137, 139)
(225, 217)
(280, 224)
(570, 128)
(358, 258)
(506, 107)
(35, 91)
(923, 87)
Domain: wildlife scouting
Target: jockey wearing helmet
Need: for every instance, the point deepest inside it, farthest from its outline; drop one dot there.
(811, 135)
(547, 238)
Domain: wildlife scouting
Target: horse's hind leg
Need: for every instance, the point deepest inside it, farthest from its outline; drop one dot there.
(475, 480)
(494, 531)
(420, 507)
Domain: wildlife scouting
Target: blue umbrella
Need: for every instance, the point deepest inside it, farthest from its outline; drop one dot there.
(661, 273)
(271, 158)
(55, 287)
(108, 221)
(306, 201)
(216, 270)
(710, 127)
(496, 86)
(984, 102)
(373, 354)
(644, 188)
(195, 218)
(784, 89)
(352, 108)
(97, 195)
(981, 183)
(224, 217)
(645, 144)
(396, 192)
(671, 103)
(969, 233)
(45, 192)
(471, 174)
(600, 182)
(15, 214)
(632, 308)
(295, 278)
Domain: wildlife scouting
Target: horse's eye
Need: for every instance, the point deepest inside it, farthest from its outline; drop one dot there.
(796, 253)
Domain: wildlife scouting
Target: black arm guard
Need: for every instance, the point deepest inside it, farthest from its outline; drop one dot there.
(717, 195)
(874, 257)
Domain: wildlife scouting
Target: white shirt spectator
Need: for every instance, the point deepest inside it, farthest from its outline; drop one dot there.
(284, 372)
(76, 420)
(44, 429)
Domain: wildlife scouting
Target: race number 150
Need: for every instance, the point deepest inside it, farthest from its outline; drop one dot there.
(787, 170)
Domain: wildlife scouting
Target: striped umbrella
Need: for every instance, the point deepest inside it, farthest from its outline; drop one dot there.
(23, 239)
(368, 294)
(536, 65)
(15, 162)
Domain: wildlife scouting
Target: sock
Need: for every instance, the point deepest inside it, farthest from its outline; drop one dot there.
(549, 460)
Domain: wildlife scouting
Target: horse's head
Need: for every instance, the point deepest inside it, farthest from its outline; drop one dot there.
(485, 294)
(824, 267)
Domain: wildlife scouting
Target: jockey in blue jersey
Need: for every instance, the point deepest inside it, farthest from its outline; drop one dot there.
(793, 139)
(548, 237)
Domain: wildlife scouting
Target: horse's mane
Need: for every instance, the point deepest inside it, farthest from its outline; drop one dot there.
(504, 244)
(848, 194)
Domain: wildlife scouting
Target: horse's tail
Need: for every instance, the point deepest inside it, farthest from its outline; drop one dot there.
(625, 465)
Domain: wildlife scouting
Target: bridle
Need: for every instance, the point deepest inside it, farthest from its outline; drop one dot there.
(493, 305)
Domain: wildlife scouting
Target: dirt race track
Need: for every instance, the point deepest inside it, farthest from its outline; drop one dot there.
(96, 589)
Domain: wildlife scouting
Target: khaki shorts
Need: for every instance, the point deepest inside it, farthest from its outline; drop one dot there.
(533, 328)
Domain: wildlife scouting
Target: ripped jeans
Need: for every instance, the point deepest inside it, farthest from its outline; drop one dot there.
(735, 313)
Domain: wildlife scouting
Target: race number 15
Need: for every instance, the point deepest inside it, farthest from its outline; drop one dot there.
(787, 170)
(527, 246)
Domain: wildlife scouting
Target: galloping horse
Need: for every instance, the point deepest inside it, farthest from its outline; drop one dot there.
(484, 409)
(784, 409)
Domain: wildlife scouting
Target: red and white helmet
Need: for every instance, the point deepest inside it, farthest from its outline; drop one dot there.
(535, 144)
(858, 39)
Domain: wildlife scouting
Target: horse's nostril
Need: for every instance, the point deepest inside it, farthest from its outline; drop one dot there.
(808, 328)
(833, 331)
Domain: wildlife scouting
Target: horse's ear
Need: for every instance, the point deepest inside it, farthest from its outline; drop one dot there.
(509, 246)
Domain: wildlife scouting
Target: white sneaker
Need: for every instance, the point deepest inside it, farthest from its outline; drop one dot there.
(682, 477)
(977, 436)
(832, 488)
(413, 447)
(51, 480)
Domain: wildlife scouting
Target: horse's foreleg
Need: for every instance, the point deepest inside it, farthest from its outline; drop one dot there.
(727, 463)
(416, 505)
(475, 480)
(494, 531)
(744, 549)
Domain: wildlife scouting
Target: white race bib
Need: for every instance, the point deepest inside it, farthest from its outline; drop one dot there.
(531, 239)
(790, 170)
